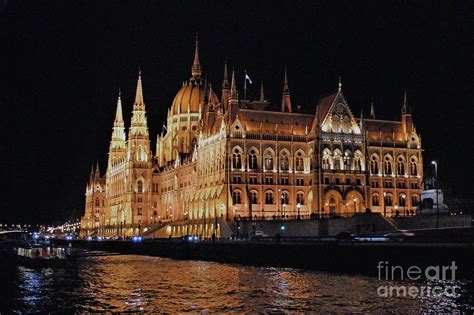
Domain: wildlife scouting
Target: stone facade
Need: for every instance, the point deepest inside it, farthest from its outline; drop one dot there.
(221, 158)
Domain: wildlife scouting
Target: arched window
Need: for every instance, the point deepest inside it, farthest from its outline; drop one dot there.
(414, 200)
(268, 161)
(374, 165)
(236, 197)
(140, 186)
(400, 166)
(300, 198)
(401, 200)
(253, 165)
(347, 160)
(375, 200)
(236, 160)
(413, 167)
(299, 164)
(388, 200)
(284, 162)
(269, 198)
(284, 198)
(332, 205)
(326, 160)
(387, 164)
(253, 198)
(358, 161)
(337, 160)
(97, 202)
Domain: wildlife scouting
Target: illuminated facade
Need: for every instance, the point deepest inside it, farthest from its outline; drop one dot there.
(225, 157)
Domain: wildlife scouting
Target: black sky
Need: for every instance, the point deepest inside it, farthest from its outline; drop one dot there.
(62, 64)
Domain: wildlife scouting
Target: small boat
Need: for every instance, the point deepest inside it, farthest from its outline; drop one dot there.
(44, 257)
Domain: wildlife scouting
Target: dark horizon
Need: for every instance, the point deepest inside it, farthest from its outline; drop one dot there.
(64, 64)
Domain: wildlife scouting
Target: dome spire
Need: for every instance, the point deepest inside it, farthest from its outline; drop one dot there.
(196, 68)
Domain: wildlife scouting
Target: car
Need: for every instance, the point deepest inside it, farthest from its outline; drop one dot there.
(399, 235)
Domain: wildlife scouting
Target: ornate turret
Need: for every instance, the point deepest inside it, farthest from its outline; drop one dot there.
(138, 142)
(286, 99)
(118, 145)
(138, 127)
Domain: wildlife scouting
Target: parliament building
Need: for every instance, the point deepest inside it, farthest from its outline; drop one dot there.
(222, 158)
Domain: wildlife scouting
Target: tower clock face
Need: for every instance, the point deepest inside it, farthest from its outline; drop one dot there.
(339, 109)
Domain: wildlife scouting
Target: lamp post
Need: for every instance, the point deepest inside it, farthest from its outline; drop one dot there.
(299, 207)
(435, 163)
(384, 204)
(403, 203)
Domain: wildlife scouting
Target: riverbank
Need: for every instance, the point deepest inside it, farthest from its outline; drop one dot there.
(346, 257)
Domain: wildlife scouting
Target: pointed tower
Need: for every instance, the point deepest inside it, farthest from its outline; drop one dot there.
(372, 111)
(407, 119)
(97, 171)
(196, 68)
(234, 94)
(225, 88)
(117, 146)
(286, 99)
(262, 92)
(138, 142)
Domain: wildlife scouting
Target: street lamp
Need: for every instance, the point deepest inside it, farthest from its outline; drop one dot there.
(299, 207)
(384, 204)
(435, 163)
(403, 203)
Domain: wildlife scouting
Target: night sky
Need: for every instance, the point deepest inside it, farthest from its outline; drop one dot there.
(63, 62)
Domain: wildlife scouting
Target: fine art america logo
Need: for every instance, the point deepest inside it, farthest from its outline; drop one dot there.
(445, 275)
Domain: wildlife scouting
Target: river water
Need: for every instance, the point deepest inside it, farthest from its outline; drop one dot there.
(141, 283)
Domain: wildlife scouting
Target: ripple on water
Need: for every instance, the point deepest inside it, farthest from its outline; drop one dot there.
(139, 283)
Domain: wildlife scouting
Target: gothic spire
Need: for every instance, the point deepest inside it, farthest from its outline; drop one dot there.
(139, 93)
(225, 82)
(405, 108)
(209, 99)
(262, 93)
(97, 170)
(372, 110)
(118, 114)
(139, 123)
(234, 94)
(339, 84)
(196, 68)
(286, 100)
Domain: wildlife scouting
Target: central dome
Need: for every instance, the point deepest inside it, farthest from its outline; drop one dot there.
(191, 94)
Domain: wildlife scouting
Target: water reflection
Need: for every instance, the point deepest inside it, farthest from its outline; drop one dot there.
(140, 283)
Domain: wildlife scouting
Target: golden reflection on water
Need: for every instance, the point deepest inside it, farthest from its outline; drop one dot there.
(141, 283)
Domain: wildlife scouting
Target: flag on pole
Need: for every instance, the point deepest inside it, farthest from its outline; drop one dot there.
(247, 77)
